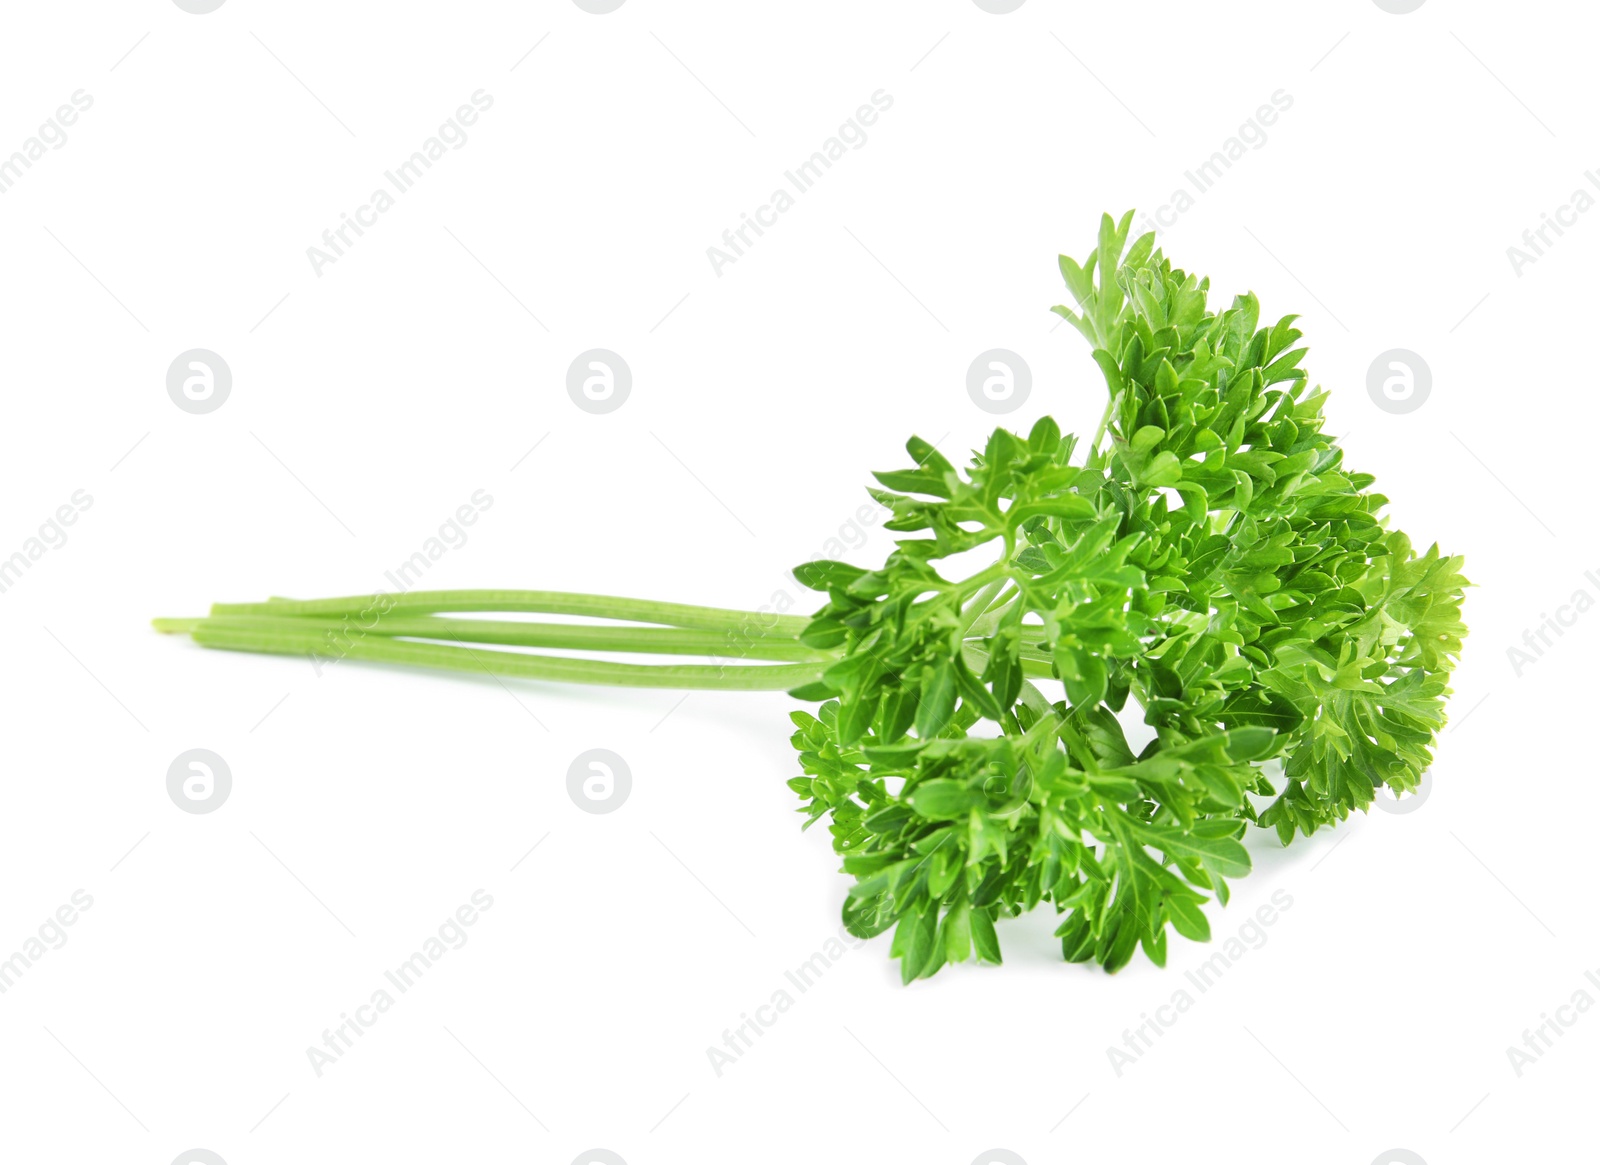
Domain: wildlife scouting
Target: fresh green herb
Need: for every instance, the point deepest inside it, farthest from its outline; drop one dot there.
(1209, 557)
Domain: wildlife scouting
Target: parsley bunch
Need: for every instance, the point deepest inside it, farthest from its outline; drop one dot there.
(1208, 556)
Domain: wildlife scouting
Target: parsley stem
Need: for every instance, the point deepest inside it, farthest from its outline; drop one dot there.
(290, 637)
(337, 630)
(974, 610)
(745, 623)
(1105, 422)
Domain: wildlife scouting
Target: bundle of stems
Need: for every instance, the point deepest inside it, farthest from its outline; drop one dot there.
(748, 650)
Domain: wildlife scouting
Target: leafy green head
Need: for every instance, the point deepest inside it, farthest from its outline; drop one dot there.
(1208, 558)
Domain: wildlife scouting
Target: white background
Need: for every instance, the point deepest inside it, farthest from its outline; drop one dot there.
(373, 400)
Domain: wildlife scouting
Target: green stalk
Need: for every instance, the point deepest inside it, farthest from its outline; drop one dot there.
(1033, 665)
(384, 628)
(746, 623)
(336, 631)
(1100, 431)
(289, 637)
(976, 607)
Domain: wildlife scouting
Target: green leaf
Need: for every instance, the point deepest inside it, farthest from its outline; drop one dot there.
(1077, 279)
(822, 574)
(1188, 919)
(937, 700)
(1164, 470)
(984, 940)
(1071, 507)
(941, 799)
(1223, 854)
(956, 933)
(1045, 436)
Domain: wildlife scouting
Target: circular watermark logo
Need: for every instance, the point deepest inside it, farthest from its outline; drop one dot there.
(1008, 792)
(1400, 8)
(1398, 1156)
(1399, 381)
(599, 380)
(599, 1156)
(600, 8)
(199, 781)
(599, 781)
(199, 1156)
(998, 1156)
(1000, 8)
(999, 380)
(200, 8)
(1386, 800)
(199, 381)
